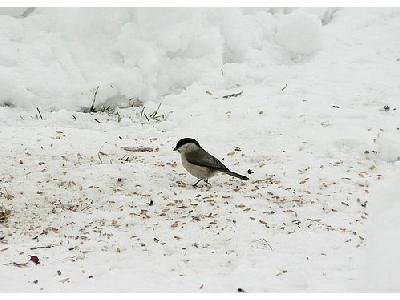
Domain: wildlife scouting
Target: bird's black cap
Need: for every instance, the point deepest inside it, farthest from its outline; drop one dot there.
(185, 141)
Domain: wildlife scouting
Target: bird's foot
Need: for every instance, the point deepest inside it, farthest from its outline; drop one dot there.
(196, 184)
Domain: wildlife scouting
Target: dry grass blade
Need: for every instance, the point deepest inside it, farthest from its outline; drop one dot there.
(6, 195)
(154, 114)
(40, 114)
(92, 108)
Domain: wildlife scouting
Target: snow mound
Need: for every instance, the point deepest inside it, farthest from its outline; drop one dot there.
(388, 149)
(300, 33)
(381, 271)
(56, 58)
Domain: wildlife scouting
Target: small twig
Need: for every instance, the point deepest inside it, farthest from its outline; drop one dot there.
(123, 157)
(74, 117)
(41, 247)
(40, 115)
(94, 99)
(97, 121)
(138, 149)
(282, 89)
(281, 273)
(232, 95)
(19, 265)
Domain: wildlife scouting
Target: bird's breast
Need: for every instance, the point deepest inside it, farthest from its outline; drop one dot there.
(197, 171)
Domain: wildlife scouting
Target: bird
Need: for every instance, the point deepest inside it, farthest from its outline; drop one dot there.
(199, 163)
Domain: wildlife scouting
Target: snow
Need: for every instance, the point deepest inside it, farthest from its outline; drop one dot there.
(300, 33)
(320, 211)
(383, 253)
(138, 53)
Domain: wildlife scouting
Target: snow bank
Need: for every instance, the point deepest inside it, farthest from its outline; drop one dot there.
(381, 272)
(55, 58)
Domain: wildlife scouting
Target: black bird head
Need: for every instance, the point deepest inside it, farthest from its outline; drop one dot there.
(185, 141)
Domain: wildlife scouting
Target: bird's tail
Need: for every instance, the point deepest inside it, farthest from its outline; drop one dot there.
(237, 175)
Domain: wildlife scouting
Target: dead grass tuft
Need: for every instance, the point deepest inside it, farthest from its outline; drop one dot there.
(4, 214)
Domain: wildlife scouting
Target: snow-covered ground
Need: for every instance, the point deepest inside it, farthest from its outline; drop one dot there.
(320, 211)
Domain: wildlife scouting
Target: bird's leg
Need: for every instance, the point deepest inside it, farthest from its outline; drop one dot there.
(195, 185)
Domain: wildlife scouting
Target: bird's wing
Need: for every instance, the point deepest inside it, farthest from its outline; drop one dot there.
(202, 158)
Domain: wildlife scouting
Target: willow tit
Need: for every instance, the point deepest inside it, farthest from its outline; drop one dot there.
(199, 163)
